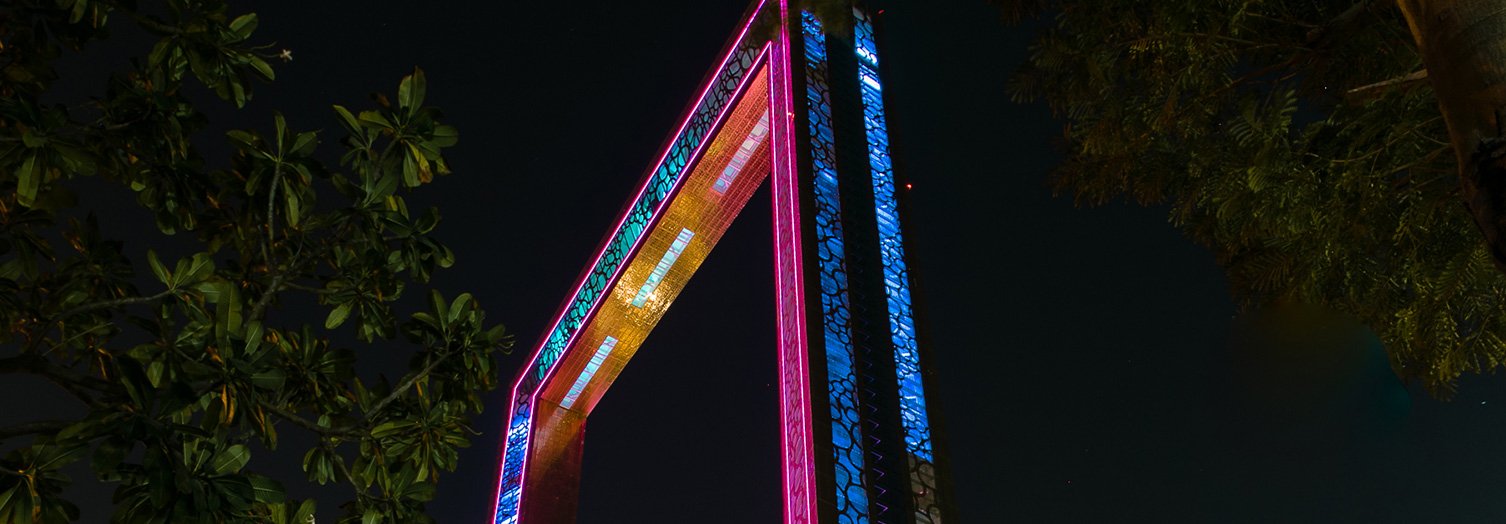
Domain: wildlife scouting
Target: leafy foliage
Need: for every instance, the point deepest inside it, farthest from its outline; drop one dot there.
(181, 374)
(1289, 138)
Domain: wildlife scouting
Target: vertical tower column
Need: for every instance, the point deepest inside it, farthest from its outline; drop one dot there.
(883, 442)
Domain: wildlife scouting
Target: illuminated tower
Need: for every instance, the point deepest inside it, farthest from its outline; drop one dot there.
(807, 107)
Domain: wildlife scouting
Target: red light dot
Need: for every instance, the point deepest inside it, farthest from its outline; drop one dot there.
(909, 186)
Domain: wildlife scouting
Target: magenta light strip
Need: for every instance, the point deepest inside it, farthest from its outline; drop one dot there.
(797, 452)
(732, 50)
(590, 371)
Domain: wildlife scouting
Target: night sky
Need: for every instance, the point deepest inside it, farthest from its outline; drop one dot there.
(1093, 370)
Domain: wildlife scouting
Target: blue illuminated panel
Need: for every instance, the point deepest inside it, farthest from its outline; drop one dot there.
(662, 269)
(896, 280)
(841, 374)
(590, 371)
(744, 153)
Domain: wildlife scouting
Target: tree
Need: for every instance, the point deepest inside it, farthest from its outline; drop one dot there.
(1327, 152)
(183, 368)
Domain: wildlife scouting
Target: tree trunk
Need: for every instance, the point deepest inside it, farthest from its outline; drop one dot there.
(1463, 44)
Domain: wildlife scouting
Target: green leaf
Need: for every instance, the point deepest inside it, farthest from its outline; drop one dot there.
(304, 144)
(7, 503)
(244, 25)
(420, 491)
(280, 126)
(161, 51)
(267, 490)
(427, 221)
(460, 307)
(158, 269)
(305, 511)
(231, 460)
(391, 428)
(294, 205)
(445, 136)
(263, 70)
(496, 334)
(410, 92)
(33, 139)
(227, 311)
(338, 316)
(437, 305)
(154, 373)
(372, 516)
(375, 119)
(29, 181)
(196, 269)
(272, 379)
(348, 120)
(57, 456)
(254, 332)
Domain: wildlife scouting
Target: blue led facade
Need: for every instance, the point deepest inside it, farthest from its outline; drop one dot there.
(912, 399)
(841, 373)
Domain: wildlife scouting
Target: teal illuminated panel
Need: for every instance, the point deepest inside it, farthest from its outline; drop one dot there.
(662, 269)
(590, 371)
(744, 153)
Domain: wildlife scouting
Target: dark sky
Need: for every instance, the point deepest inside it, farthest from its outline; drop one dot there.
(1086, 357)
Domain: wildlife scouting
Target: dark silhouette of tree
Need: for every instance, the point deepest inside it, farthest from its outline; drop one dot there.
(1328, 152)
(179, 375)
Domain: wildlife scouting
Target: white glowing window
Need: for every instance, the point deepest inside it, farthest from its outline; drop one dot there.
(744, 153)
(663, 268)
(590, 371)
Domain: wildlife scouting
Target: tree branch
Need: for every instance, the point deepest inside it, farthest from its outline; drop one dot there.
(31, 428)
(111, 303)
(403, 386)
(266, 250)
(339, 461)
(266, 297)
(278, 281)
(302, 422)
(1369, 91)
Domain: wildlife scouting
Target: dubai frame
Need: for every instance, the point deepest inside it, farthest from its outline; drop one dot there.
(807, 107)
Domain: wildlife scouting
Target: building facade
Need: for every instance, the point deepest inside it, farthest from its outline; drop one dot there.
(798, 100)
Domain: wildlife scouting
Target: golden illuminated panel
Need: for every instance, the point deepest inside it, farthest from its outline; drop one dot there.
(699, 209)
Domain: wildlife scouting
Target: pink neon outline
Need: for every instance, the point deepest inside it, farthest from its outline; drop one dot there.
(799, 474)
(533, 406)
